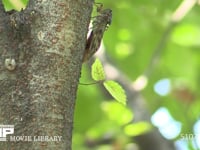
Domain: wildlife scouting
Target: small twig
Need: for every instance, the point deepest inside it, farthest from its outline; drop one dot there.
(92, 83)
(183, 9)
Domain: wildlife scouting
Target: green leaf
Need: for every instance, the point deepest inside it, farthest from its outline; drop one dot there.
(16, 5)
(116, 91)
(136, 129)
(118, 113)
(186, 35)
(98, 71)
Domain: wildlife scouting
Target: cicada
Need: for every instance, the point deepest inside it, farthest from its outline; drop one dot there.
(100, 24)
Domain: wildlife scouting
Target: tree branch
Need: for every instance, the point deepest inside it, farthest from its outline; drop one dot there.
(182, 10)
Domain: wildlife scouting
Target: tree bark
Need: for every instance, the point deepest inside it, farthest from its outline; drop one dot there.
(41, 50)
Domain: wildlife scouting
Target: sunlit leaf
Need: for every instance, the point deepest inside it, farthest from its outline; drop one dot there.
(187, 35)
(14, 4)
(98, 71)
(116, 91)
(117, 112)
(136, 129)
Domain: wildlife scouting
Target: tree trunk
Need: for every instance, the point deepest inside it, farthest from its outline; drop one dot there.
(41, 51)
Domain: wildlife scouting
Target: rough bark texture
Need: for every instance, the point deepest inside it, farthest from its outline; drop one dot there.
(41, 52)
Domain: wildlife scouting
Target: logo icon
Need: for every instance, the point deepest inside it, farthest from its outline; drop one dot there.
(5, 130)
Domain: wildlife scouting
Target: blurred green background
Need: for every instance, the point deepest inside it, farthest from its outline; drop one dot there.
(168, 73)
